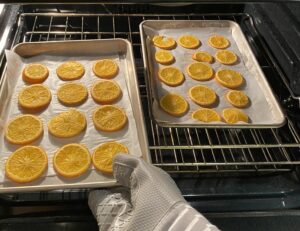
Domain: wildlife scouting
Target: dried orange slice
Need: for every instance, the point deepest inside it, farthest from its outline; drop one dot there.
(26, 164)
(174, 104)
(189, 41)
(206, 115)
(70, 70)
(218, 41)
(72, 94)
(67, 124)
(35, 73)
(105, 68)
(104, 154)
(200, 71)
(106, 91)
(164, 42)
(171, 76)
(203, 56)
(34, 97)
(202, 95)
(109, 118)
(226, 57)
(233, 115)
(237, 98)
(24, 129)
(164, 57)
(229, 78)
(72, 160)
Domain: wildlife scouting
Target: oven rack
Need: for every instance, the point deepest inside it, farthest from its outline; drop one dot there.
(181, 150)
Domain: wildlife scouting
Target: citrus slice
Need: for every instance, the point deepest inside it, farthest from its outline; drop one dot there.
(164, 57)
(35, 73)
(229, 78)
(164, 42)
(203, 56)
(200, 71)
(72, 160)
(106, 91)
(206, 115)
(72, 94)
(26, 164)
(104, 154)
(189, 41)
(24, 129)
(218, 41)
(109, 118)
(35, 97)
(202, 95)
(70, 70)
(226, 57)
(233, 115)
(171, 76)
(237, 98)
(67, 124)
(174, 104)
(105, 68)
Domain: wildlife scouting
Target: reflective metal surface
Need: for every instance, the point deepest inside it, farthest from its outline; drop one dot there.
(181, 150)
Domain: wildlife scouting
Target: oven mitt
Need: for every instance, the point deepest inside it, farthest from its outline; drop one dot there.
(148, 200)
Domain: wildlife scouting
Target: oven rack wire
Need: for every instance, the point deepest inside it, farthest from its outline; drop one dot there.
(180, 150)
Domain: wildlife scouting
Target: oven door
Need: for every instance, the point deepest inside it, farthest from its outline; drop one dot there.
(242, 179)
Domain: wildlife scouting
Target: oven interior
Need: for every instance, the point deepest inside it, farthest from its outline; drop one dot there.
(226, 173)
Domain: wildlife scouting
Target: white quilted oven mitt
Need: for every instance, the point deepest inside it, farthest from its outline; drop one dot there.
(149, 200)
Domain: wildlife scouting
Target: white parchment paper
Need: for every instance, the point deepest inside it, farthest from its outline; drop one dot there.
(261, 110)
(90, 137)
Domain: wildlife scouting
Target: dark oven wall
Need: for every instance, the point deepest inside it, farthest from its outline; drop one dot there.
(216, 169)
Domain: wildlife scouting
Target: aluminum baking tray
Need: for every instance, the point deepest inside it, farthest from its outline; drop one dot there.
(264, 110)
(90, 48)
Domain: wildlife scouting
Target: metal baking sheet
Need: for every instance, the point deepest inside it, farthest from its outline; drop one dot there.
(264, 110)
(86, 52)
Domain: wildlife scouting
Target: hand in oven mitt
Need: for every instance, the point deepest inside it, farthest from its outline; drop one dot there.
(148, 200)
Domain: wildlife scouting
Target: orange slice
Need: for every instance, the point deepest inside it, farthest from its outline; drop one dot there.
(233, 115)
(104, 154)
(24, 129)
(218, 41)
(229, 78)
(164, 42)
(109, 118)
(206, 115)
(200, 71)
(174, 104)
(105, 68)
(189, 41)
(35, 73)
(171, 76)
(202, 95)
(72, 94)
(226, 57)
(72, 160)
(203, 56)
(26, 164)
(237, 98)
(34, 97)
(106, 91)
(70, 70)
(164, 57)
(67, 124)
